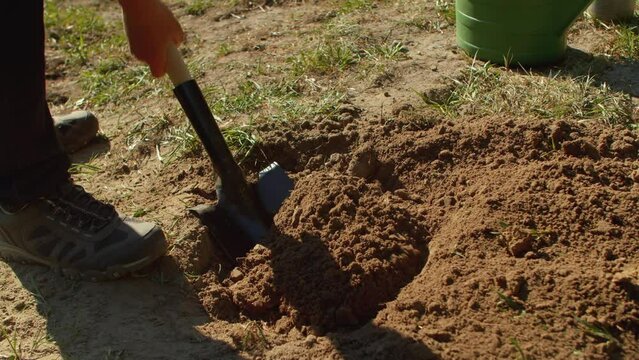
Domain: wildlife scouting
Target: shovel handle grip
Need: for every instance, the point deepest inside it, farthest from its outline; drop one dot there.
(175, 67)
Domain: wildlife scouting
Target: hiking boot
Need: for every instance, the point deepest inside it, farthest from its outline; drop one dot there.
(75, 130)
(79, 236)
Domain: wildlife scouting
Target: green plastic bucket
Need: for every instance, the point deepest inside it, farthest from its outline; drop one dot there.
(526, 32)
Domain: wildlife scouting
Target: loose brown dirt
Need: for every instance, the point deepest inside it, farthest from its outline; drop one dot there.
(408, 235)
(527, 226)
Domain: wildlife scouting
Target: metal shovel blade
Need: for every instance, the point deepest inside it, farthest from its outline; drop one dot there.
(236, 233)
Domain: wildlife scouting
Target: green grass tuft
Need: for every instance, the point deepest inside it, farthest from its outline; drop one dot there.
(484, 90)
(198, 7)
(515, 343)
(80, 32)
(510, 302)
(349, 6)
(446, 10)
(597, 331)
(253, 338)
(326, 58)
(626, 44)
(115, 81)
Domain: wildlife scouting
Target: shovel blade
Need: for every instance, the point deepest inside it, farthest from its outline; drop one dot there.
(225, 231)
(273, 187)
(236, 233)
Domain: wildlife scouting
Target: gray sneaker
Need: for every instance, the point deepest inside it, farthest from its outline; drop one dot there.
(79, 236)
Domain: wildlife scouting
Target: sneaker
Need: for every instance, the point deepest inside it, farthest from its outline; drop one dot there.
(79, 236)
(75, 130)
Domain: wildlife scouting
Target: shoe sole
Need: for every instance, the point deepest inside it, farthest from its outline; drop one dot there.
(10, 252)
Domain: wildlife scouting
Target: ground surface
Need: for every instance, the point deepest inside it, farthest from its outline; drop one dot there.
(442, 209)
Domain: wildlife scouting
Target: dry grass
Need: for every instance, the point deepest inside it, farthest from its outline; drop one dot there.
(484, 90)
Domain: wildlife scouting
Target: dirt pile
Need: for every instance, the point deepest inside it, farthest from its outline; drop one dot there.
(342, 248)
(509, 235)
(536, 221)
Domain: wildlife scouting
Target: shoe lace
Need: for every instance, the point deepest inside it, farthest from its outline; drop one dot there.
(78, 209)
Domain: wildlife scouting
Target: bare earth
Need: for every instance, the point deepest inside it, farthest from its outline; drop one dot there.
(408, 235)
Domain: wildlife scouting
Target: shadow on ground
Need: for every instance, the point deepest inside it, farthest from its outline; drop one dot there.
(154, 316)
(618, 74)
(321, 294)
(97, 147)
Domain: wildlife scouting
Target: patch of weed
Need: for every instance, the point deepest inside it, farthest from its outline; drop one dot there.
(224, 49)
(515, 343)
(597, 331)
(145, 130)
(86, 169)
(446, 10)
(626, 44)
(325, 58)
(484, 90)
(14, 344)
(80, 32)
(198, 7)
(141, 212)
(349, 6)
(281, 101)
(253, 338)
(242, 139)
(114, 81)
(510, 302)
(425, 23)
(17, 347)
(248, 97)
(182, 141)
(395, 50)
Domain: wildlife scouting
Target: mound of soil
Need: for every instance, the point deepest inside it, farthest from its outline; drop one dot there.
(342, 247)
(484, 236)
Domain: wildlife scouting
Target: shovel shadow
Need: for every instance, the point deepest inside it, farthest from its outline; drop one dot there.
(151, 317)
(310, 293)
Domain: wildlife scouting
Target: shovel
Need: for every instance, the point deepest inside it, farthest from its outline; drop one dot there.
(244, 213)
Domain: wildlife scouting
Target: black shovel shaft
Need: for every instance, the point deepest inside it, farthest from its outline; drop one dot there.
(192, 101)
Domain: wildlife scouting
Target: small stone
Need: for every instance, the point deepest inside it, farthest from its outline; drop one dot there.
(351, 109)
(520, 247)
(345, 118)
(403, 107)
(236, 275)
(445, 155)
(310, 341)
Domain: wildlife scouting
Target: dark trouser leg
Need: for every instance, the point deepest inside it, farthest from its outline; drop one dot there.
(32, 162)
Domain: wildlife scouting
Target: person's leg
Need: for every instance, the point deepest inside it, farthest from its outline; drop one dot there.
(44, 217)
(32, 162)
